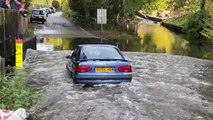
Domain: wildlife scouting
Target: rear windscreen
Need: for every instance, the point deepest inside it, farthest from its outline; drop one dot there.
(100, 53)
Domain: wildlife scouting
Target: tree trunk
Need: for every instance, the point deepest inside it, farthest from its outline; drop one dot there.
(202, 4)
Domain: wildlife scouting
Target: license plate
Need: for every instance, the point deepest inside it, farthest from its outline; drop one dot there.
(104, 69)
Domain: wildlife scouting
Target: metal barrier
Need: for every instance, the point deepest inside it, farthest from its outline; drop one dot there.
(12, 26)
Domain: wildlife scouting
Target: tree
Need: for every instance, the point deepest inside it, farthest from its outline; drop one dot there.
(208, 31)
(27, 2)
(202, 4)
(55, 4)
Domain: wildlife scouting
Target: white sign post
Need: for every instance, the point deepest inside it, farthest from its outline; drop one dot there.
(101, 18)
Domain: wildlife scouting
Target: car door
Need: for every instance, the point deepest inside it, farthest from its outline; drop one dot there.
(70, 62)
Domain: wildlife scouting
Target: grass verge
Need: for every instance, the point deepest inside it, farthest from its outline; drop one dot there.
(180, 21)
(15, 94)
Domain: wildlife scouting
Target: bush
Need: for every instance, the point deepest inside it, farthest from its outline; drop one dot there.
(55, 4)
(15, 94)
(196, 23)
(208, 31)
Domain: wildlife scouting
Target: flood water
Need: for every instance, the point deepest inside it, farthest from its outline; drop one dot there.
(164, 87)
(153, 38)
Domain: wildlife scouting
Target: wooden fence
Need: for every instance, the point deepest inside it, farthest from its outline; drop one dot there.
(2, 67)
(12, 26)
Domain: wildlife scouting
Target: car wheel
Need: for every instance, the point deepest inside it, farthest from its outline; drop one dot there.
(42, 22)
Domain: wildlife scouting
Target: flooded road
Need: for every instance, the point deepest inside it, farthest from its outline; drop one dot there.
(58, 27)
(164, 87)
(59, 34)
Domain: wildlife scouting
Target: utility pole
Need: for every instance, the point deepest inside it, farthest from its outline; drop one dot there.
(101, 23)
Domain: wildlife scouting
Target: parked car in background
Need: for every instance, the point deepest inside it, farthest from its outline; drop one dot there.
(45, 13)
(47, 10)
(52, 9)
(98, 64)
(38, 15)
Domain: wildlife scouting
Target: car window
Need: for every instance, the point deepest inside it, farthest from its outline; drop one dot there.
(77, 58)
(100, 53)
(76, 54)
(38, 12)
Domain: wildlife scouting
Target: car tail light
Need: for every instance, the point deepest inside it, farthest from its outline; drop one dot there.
(125, 68)
(80, 69)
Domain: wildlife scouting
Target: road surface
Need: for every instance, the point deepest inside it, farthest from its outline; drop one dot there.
(58, 27)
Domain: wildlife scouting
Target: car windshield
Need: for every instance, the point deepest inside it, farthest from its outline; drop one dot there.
(100, 53)
(45, 9)
(37, 12)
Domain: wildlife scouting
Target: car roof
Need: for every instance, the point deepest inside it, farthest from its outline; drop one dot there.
(37, 10)
(96, 45)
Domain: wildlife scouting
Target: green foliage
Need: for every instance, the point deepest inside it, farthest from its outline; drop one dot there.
(186, 5)
(67, 12)
(196, 23)
(40, 2)
(208, 31)
(55, 4)
(85, 11)
(146, 6)
(15, 94)
(180, 21)
(27, 2)
(29, 32)
(124, 9)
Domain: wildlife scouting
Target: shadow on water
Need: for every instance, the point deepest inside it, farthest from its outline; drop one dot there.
(152, 38)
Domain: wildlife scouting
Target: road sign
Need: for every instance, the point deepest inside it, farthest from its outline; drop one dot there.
(101, 16)
(19, 53)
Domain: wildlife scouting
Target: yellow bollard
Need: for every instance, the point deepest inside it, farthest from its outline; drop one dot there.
(19, 53)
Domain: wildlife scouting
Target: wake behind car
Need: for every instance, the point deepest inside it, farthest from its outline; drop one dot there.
(38, 15)
(98, 64)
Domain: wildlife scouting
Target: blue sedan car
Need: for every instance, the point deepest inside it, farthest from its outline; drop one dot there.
(98, 64)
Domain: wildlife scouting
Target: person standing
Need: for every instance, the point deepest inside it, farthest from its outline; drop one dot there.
(4, 4)
(16, 5)
(8, 3)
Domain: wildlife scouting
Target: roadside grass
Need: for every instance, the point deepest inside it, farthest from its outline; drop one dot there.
(29, 32)
(180, 21)
(116, 33)
(15, 94)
